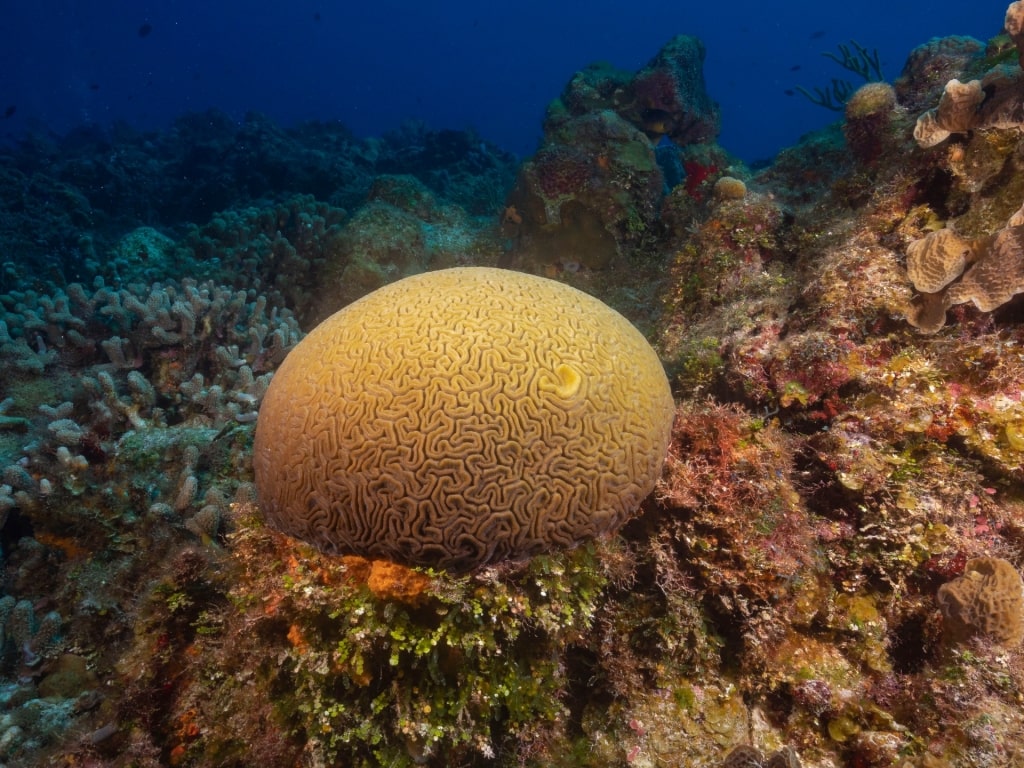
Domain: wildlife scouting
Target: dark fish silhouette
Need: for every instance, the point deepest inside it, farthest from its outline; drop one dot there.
(316, 16)
(9, 112)
(789, 92)
(818, 35)
(145, 29)
(94, 86)
(795, 68)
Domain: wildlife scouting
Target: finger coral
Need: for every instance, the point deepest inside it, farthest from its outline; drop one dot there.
(462, 417)
(987, 600)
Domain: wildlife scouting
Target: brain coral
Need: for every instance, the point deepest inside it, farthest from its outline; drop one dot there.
(462, 417)
(987, 600)
(937, 260)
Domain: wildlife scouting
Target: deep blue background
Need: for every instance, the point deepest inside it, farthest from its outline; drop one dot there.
(489, 66)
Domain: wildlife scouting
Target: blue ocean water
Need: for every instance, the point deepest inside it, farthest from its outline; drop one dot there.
(492, 68)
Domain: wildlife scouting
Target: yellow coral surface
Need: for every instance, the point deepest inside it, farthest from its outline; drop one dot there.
(461, 417)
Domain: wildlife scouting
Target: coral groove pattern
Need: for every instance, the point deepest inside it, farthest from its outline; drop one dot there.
(463, 417)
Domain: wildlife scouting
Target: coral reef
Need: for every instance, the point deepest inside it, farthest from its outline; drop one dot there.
(668, 98)
(588, 194)
(936, 267)
(453, 668)
(994, 101)
(161, 382)
(933, 64)
(826, 573)
(749, 757)
(1014, 26)
(68, 201)
(591, 193)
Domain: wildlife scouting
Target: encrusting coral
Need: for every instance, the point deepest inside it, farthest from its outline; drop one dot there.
(957, 112)
(461, 417)
(937, 259)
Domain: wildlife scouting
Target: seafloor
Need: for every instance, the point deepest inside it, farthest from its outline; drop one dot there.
(827, 573)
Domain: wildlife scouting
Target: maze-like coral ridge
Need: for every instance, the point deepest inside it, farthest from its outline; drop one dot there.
(988, 600)
(462, 417)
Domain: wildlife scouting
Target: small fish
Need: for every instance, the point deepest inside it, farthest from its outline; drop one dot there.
(789, 92)
(818, 35)
(145, 29)
(94, 86)
(795, 68)
(9, 112)
(316, 16)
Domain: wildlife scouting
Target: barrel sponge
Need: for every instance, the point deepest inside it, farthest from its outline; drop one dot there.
(462, 417)
(987, 600)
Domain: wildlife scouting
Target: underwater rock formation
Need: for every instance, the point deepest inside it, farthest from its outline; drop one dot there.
(667, 98)
(590, 190)
(994, 101)
(870, 126)
(594, 188)
(933, 64)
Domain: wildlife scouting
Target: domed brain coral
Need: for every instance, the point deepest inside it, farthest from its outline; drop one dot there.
(937, 259)
(462, 417)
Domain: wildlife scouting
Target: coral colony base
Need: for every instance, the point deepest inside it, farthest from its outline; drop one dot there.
(826, 574)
